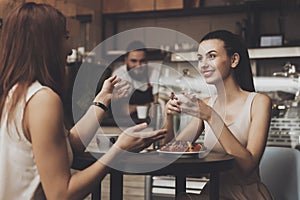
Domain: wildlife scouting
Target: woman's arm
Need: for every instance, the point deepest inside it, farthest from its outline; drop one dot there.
(84, 130)
(171, 108)
(48, 140)
(191, 132)
(246, 158)
(46, 129)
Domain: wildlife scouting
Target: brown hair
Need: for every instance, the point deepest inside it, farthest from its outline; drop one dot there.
(31, 50)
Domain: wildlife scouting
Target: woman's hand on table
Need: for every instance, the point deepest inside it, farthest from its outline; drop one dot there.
(133, 139)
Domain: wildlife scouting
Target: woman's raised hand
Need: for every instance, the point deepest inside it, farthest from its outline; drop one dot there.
(198, 108)
(173, 105)
(113, 87)
(188, 104)
(121, 90)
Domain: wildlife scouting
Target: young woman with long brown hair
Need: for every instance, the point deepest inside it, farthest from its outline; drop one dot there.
(36, 150)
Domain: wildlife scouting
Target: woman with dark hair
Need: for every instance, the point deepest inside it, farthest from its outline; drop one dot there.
(235, 121)
(36, 151)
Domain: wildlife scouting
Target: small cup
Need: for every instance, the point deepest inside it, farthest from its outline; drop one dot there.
(142, 112)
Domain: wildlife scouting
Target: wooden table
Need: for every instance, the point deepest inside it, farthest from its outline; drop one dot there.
(213, 164)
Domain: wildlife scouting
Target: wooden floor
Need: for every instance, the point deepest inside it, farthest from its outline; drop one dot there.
(133, 188)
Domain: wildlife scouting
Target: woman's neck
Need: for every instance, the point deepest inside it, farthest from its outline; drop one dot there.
(228, 90)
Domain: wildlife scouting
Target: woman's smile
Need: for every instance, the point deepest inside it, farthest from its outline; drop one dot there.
(207, 73)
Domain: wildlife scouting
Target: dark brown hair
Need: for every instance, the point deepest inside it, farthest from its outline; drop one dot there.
(135, 45)
(234, 44)
(31, 50)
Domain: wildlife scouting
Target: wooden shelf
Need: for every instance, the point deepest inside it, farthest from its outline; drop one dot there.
(252, 9)
(248, 6)
(177, 12)
(254, 53)
(275, 52)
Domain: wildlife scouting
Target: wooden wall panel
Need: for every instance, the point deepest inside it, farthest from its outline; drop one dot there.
(68, 9)
(138, 5)
(51, 2)
(119, 6)
(113, 6)
(168, 4)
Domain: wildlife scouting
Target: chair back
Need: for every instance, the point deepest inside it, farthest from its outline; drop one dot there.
(280, 172)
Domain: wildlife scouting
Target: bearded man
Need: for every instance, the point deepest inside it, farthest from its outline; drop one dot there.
(141, 78)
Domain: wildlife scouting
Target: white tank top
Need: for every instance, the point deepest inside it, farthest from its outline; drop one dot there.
(239, 128)
(19, 178)
(233, 184)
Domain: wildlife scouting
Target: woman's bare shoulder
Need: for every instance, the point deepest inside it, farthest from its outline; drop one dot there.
(262, 100)
(45, 96)
(43, 112)
(260, 97)
(45, 100)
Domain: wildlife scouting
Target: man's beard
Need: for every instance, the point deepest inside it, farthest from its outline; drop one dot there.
(141, 76)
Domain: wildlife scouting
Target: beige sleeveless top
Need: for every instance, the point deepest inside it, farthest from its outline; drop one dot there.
(234, 185)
